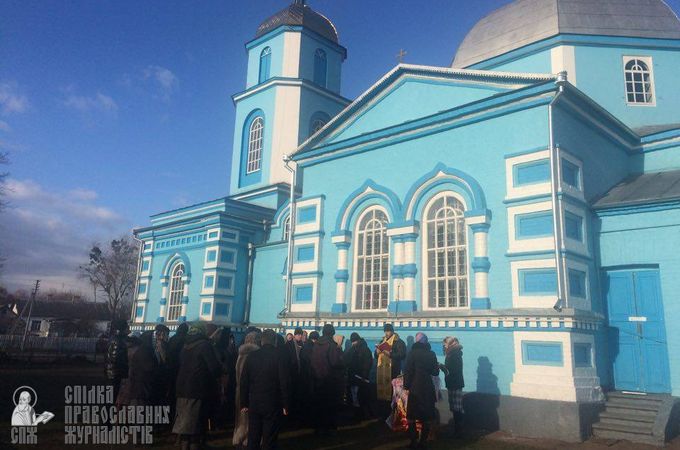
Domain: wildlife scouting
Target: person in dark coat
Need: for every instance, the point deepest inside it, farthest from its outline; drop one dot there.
(198, 370)
(160, 387)
(265, 392)
(421, 366)
(116, 355)
(358, 360)
(327, 378)
(390, 353)
(175, 345)
(306, 376)
(455, 383)
(294, 348)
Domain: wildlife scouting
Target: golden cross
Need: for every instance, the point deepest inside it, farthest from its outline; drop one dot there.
(400, 55)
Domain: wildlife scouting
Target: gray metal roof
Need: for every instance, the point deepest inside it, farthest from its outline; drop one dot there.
(643, 188)
(654, 129)
(523, 22)
(299, 14)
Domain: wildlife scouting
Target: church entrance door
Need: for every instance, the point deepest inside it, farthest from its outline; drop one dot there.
(637, 332)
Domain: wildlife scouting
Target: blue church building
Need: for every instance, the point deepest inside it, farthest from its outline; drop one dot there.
(525, 199)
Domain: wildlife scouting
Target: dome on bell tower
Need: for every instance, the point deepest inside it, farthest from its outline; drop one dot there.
(300, 14)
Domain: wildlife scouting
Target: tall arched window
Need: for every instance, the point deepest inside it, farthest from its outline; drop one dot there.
(286, 229)
(639, 87)
(372, 261)
(318, 121)
(176, 292)
(255, 140)
(320, 67)
(265, 64)
(445, 247)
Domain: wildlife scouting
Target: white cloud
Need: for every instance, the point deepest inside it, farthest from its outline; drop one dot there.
(45, 234)
(166, 81)
(11, 101)
(97, 102)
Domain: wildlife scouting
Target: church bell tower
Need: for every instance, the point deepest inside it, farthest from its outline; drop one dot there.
(292, 90)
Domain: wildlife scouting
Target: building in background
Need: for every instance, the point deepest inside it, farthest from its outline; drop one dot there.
(525, 200)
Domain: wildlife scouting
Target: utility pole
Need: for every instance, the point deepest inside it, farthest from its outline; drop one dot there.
(30, 311)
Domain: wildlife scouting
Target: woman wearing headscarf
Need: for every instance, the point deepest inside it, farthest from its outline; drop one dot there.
(198, 370)
(421, 366)
(251, 343)
(454, 379)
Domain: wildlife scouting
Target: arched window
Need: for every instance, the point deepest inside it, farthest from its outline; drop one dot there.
(320, 67)
(265, 64)
(372, 261)
(445, 250)
(255, 140)
(318, 121)
(639, 87)
(286, 229)
(176, 292)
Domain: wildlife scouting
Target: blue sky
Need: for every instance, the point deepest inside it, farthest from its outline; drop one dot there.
(114, 110)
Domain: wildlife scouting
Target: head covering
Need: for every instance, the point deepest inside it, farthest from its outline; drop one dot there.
(421, 337)
(182, 329)
(354, 337)
(451, 342)
(388, 327)
(197, 329)
(253, 338)
(298, 331)
(162, 328)
(328, 330)
(313, 335)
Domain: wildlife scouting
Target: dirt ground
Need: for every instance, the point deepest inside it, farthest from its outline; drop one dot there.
(50, 380)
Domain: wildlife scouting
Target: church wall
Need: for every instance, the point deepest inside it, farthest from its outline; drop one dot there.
(269, 285)
(264, 101)
(665, 156)
(412, 99)
(538, 62)
(277, 45)
(400, 166)
(308, 47)
(312, 103)
(601, 76)
(648, 237)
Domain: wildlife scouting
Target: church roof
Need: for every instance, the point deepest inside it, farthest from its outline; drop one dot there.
(643, 188)
(299, 14)
(524, 22)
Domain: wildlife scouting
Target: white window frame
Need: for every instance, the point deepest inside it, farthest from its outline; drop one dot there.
(255, 145)
(175, 292)
(355, 282)
(286, 229)
(647, 60)
(424, 254)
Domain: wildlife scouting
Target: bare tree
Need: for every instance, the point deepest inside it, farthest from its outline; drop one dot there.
(113, 270)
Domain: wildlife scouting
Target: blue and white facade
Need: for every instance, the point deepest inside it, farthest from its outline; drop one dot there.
(526, 200)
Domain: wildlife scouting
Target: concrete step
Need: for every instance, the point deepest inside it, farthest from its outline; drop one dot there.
(626, 422)
(641, 404)
(628, 416)
(633, 429)
(626, 411)
(624, 436)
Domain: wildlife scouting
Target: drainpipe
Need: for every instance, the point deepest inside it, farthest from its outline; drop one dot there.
(289, 268)
(249, 288)
(555, 177)
(139, 267)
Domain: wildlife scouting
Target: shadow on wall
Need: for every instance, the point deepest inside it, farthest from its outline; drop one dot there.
(481, 407)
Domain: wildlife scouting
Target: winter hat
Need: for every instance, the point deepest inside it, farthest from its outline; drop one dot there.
(328, 330)
(314, 335)
(197, 329)
(298, 331)
(354, 337)
(421, 337)
(388, 327)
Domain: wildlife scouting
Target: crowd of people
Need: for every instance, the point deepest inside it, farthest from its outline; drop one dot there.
(300, 379)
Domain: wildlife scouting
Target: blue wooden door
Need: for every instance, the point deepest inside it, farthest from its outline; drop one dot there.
(637, 333)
